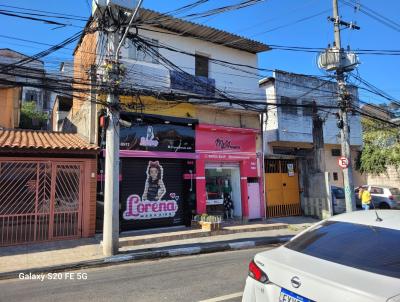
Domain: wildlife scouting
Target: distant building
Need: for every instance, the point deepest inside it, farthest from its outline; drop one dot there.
(20, 84)
(61, 102)
(289, 134)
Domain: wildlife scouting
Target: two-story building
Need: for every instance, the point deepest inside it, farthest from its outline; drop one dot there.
(179, 157)
(289, 137)
(20, 85)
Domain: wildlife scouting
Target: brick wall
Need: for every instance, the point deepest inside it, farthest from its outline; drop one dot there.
(10, 97)
(84, 58)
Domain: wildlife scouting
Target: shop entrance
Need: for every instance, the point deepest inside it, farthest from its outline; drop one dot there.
(223, 190)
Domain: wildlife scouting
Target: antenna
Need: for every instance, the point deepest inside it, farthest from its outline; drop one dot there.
(376, 213)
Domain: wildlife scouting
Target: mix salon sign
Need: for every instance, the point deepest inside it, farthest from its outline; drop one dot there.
(223, 141)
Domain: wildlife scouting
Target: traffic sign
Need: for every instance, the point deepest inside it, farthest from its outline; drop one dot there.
(343, 162)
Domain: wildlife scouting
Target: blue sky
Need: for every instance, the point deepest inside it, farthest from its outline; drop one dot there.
(272, 22)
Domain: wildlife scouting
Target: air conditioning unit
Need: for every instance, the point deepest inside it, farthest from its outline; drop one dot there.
(126, 4)
(332, 59)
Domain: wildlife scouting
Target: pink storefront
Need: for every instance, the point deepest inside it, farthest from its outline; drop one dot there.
(228, 174)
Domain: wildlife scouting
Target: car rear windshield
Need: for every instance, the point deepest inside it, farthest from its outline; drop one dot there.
(394, 191)
(339, 193)
(373, 249)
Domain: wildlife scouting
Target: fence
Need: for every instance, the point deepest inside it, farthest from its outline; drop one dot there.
(39, 201)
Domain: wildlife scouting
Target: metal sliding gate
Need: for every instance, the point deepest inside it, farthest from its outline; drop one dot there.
(39, 201)
(282, 193)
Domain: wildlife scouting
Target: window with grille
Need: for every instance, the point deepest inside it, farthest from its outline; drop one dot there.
(290, 107)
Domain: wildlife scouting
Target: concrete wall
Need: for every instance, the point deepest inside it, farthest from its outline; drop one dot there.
(298, 127)
(332, 166)
(10, 110)
(235, 82)
(390, 178)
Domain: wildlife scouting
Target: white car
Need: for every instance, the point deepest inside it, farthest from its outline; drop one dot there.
(353, 257)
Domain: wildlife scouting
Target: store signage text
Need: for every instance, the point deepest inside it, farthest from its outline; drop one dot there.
(138, 209)
(225, 144)
(148, 142)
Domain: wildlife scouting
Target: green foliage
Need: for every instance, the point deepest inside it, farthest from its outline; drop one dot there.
(31, 118)
(381, 147)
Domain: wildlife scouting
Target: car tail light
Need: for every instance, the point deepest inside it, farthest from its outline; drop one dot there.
(256, 273)
(391, 197)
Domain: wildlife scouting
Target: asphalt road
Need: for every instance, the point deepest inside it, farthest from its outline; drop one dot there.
(210, 277)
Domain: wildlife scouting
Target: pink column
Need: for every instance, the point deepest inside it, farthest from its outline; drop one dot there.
(201, 194)
(244, 191)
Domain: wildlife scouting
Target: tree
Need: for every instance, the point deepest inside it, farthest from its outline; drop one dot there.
(381, 147)
(31, 118)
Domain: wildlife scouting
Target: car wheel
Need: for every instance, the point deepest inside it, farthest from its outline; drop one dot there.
(384, 205)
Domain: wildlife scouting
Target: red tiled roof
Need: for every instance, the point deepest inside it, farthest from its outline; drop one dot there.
(43, 140)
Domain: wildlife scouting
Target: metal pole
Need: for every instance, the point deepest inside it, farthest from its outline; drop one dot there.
(344, 105)
(111, 189)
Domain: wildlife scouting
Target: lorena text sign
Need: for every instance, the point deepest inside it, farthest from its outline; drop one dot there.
(343, 162)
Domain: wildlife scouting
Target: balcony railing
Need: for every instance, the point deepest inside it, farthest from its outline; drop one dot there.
(193, 84)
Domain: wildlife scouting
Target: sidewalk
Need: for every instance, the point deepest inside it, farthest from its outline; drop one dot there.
(146, 244)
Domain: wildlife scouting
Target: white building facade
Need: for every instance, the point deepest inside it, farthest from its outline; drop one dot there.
(288, 130)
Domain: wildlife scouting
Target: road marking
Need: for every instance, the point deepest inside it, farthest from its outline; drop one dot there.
(224, 298)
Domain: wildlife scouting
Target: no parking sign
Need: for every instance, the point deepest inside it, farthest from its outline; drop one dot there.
(343, 162)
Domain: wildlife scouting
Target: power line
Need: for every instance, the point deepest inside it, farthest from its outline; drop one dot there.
(373, 14)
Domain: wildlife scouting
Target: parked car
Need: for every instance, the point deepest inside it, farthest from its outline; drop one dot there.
(338, 200)
(383, 197)
(350, 257)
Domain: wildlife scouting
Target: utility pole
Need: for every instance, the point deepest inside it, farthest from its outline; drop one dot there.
(337, 59)
(344, 104)
(111, 189)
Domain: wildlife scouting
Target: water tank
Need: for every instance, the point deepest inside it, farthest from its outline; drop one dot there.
(332, 59)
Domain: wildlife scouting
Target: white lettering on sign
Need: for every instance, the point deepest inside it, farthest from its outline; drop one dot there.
(148, 142)
(137, 209)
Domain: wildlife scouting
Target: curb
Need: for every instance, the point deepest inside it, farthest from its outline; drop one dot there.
(198, 233)
(154, 254)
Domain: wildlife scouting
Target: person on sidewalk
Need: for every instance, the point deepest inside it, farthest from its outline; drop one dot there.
(365, 197)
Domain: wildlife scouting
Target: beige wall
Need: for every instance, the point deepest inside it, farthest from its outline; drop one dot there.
(10, 111)
(332, 166)
(391, 178)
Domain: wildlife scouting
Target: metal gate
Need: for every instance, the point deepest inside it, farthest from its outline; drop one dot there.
(39, 201)
(282, 188)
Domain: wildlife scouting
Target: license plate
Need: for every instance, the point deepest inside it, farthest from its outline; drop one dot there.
(288, 296)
